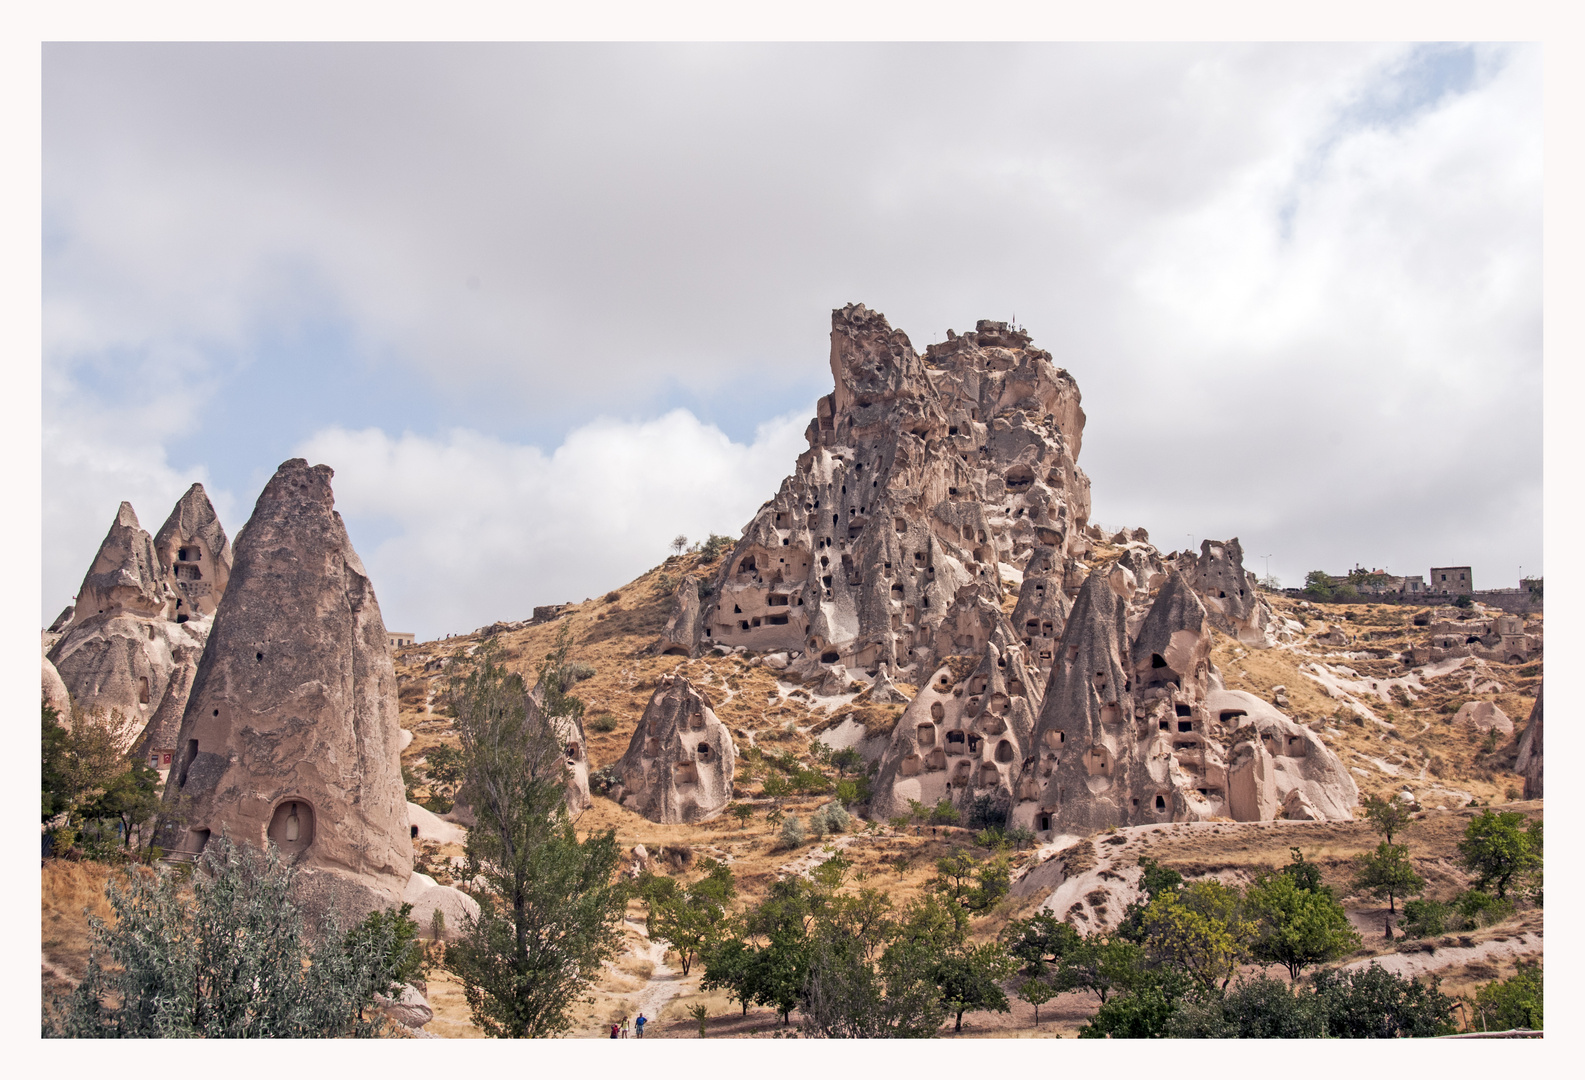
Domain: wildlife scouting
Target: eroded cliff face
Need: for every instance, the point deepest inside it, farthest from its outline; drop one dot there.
(680, 764)
(936, 533)
(924, 477)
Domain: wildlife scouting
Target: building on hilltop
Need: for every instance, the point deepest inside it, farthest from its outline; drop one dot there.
(1452, 580)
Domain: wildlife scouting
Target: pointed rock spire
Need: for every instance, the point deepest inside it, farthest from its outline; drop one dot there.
(194, 554)
(680, 764)
(290, 733)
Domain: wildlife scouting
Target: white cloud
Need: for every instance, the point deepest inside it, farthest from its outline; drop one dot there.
(1293, 317)
(483, 529)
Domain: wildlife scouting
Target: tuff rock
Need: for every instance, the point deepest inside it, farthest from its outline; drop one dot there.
(680, 764)
(1528, 763)
(290, 730)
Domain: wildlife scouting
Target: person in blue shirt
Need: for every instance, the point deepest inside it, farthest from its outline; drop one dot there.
(639, 1024)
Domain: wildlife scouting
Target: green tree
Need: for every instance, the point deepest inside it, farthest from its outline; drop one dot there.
(228, 957)
(1037, 992)
(775, 786)
(1143, 1012)
(1257, 1008)
(1155, 880)
(130, 798)
(1039, 942)
(1386, 816)
(550, 908)
(81, 763)
(690, 919)
(969, 977)
(743, 812)
(1498, 847)
(1102, 965)
(728, 964)
(1512, 1003)
(1201, 929)
(954, 875)
(1318, 583)
(1296, 927)
(1376, 1004)
(1387, 874)
(443, 774)
(944, 813)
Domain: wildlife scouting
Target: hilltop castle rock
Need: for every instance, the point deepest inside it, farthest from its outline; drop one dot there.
(290, 733)
(680, 764)
(937, 532)
(132, 639)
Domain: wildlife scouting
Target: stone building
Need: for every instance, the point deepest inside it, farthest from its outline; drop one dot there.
(1452, 580)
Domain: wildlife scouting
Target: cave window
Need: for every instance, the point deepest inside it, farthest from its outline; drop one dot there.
(1229, 715)
(742, 624)
(1182, 709)
(776, 620)
(736, 610)
(954, 736)
(1161, 802)
(259, 657)
(1185, 725)
(830, 656)
(1165, 726)
(143, 689)
(412, 832)
(704, 751)
(1043, 823)
(1156, 661)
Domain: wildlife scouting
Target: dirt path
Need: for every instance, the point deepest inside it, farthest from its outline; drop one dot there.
(1411, 964)
(664, 981)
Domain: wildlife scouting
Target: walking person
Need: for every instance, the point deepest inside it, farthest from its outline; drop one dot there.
(638, 1025)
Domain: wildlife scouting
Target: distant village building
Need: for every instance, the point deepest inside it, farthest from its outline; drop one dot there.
(1457, 580)
(399, 638)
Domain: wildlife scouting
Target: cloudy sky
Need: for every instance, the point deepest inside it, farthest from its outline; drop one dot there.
(543, 307)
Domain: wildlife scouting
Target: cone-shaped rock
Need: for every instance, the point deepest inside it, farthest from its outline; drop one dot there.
(680, 764)
(290, 733)
(120, 647)
(193, 550)
(961, 740)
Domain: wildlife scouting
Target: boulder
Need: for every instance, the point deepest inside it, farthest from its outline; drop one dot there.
(290, 732)
(1483, 716)
(1269, 746)
(426, 825)
(885, 692)
(407, 1007)
(680, 763)
(834, 681)
(456, 907)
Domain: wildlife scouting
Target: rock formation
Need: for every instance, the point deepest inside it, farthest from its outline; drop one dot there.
(682, 629)
(53, 691)
(680, 764)
(290, 732)
(125, 639)
(1528, 763)
(195, 555)
(962, 737)
(935, 486)
(923, 478)
(1483, 716)
(569, 730)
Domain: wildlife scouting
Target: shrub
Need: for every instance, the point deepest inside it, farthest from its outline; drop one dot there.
(612, 597)
(831, 818)
(1376, 1004)
(1512, 1003)
(792, 831)
(944, 813)
(1427, 918)
(716, 546)
(601, 781)
(602, 723)
(1481, 908)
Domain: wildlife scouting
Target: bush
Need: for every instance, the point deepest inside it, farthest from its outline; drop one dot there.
(1257, 1008)
(830, 818)
(716, 546)
(602, 723)
(1376, 1004)
(985, 812)
(231, 959)
(601, 781)
(1512, 1003)
(612, 597)
(792, 831)
(1481, 908)
(944, 813)
(1427, 918)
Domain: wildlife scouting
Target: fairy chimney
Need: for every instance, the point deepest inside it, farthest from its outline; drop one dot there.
(680, 764)
(195, 554)
(290, 733)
